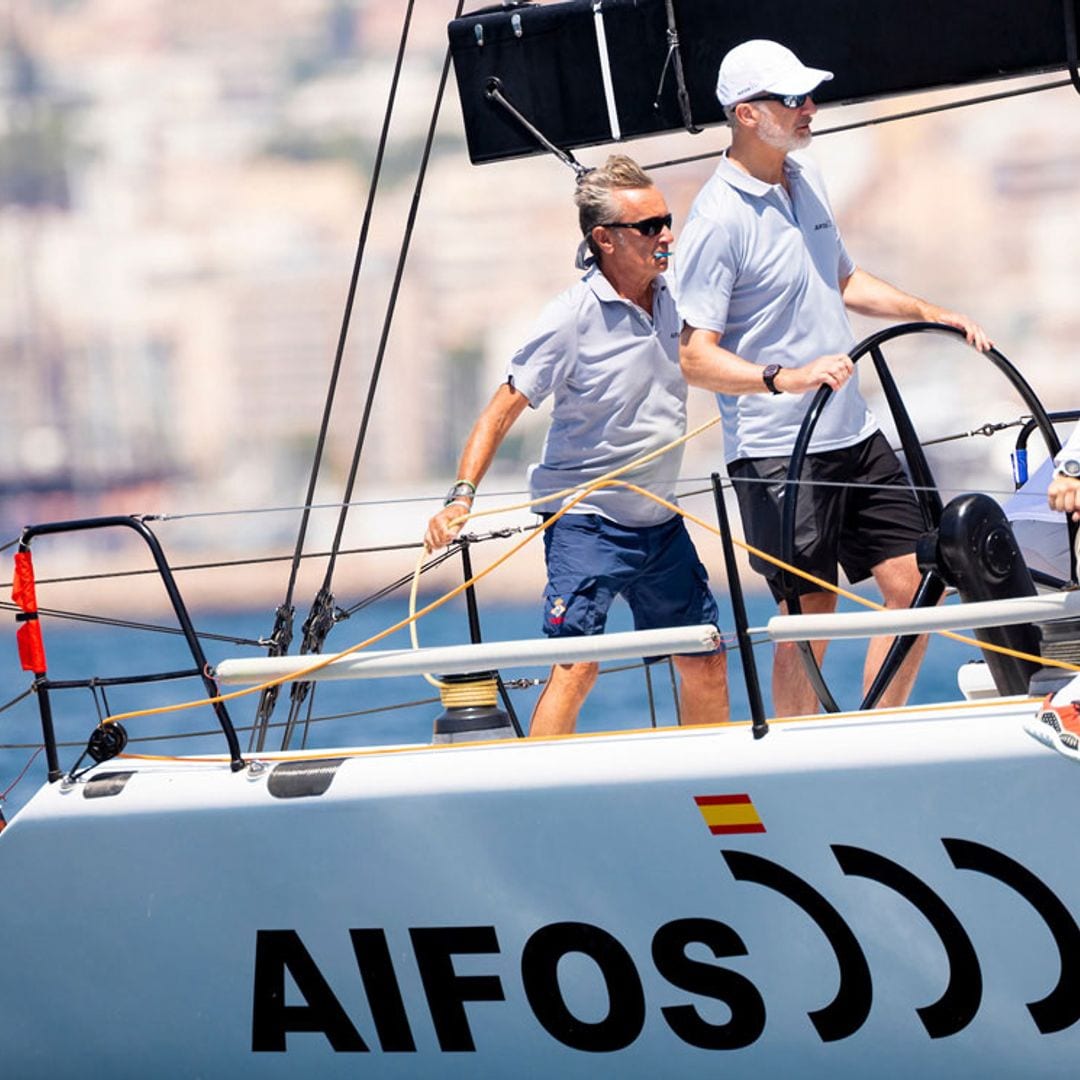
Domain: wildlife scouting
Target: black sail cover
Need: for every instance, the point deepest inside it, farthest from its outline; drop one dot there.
(547, 58)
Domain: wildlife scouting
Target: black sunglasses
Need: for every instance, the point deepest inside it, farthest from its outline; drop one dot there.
(789, 101)
(651, 226)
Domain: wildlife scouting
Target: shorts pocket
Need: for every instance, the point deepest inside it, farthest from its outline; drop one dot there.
(571, 609)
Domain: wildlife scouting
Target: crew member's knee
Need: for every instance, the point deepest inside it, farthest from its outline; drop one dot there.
(580, 676)
(707, 668)
(898, 578)
(813, 603)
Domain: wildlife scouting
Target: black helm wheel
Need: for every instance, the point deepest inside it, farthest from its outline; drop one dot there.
(931, 587)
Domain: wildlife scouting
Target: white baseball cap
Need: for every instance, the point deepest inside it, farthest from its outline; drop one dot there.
(764, 67)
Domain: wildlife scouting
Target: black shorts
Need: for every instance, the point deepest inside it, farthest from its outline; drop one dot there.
(855, 508)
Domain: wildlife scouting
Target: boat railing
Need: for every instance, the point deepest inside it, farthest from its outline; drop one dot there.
(107, 741)
(490, 657)
(109, 738)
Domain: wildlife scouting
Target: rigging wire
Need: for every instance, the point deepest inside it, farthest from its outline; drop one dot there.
(322, 617)
(440, 601)
(233, 639)
(434, 562)
(495, 534)
(20, 697)
(326, 660)
(25, 769)
(874, 121)
(987, 428)
(350, 300)
(530, 683)
(391, 308)
(224, 564)
(128, 624)
(281, 636)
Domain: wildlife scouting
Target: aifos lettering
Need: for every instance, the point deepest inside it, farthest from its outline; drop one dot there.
(676, 955)
(434, 948)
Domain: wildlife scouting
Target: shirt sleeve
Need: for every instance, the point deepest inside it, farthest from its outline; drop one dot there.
(548, 354)
(1072, 444)
(845, 264)
(706, 270)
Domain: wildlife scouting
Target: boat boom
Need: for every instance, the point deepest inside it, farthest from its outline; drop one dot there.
(854, 624)
(460, 659)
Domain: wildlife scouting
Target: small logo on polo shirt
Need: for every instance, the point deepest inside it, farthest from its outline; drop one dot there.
(823, 225)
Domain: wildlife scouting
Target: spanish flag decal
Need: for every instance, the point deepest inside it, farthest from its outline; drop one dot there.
(727, 814)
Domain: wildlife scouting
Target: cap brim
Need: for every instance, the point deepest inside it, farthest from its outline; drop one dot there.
(800, 82)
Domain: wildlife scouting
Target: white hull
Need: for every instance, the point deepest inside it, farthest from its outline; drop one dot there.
(133, 921)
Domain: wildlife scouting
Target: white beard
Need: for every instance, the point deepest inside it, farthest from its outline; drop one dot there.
(772, 134)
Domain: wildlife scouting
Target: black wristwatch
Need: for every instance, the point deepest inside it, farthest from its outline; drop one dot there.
(768, 377)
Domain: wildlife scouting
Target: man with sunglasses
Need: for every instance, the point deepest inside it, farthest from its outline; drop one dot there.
(764, 286)
(607, 352)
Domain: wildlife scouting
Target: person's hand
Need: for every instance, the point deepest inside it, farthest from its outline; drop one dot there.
(833, 370)
(445, 525)
(975, 334)
(1064, 494)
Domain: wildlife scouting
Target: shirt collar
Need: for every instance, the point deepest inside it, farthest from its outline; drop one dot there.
(731, 174)
(605, 291)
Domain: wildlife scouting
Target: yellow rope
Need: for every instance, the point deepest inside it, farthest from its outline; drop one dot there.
(372, 751)
(329, 659)
(473, 692)
(600, 481)
(1003, 650)
(609, 479)
(821, 583)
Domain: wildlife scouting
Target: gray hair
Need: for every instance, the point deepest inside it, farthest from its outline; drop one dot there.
(595, 197)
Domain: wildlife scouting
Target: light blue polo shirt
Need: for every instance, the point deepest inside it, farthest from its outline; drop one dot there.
(613, 374)
(764, 270)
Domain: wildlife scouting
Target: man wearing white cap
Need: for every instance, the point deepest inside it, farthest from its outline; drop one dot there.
(764, 287)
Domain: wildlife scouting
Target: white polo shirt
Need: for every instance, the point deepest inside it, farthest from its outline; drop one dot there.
(613, 373)
(763, 270)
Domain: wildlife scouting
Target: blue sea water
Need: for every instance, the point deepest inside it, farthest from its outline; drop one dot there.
(343, 713)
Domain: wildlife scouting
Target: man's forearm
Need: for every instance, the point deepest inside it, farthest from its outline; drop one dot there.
(713, 368)
(489, 431)
(869, 295)
(707, 364)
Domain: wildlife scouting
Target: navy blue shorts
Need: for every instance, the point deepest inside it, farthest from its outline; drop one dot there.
(655, 568)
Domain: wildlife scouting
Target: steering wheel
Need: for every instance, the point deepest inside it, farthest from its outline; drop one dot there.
(931, 587)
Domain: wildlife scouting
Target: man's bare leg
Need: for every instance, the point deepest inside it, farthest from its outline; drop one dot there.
(897, 578)
(560, 701)
(792, 693)
(703, 688)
